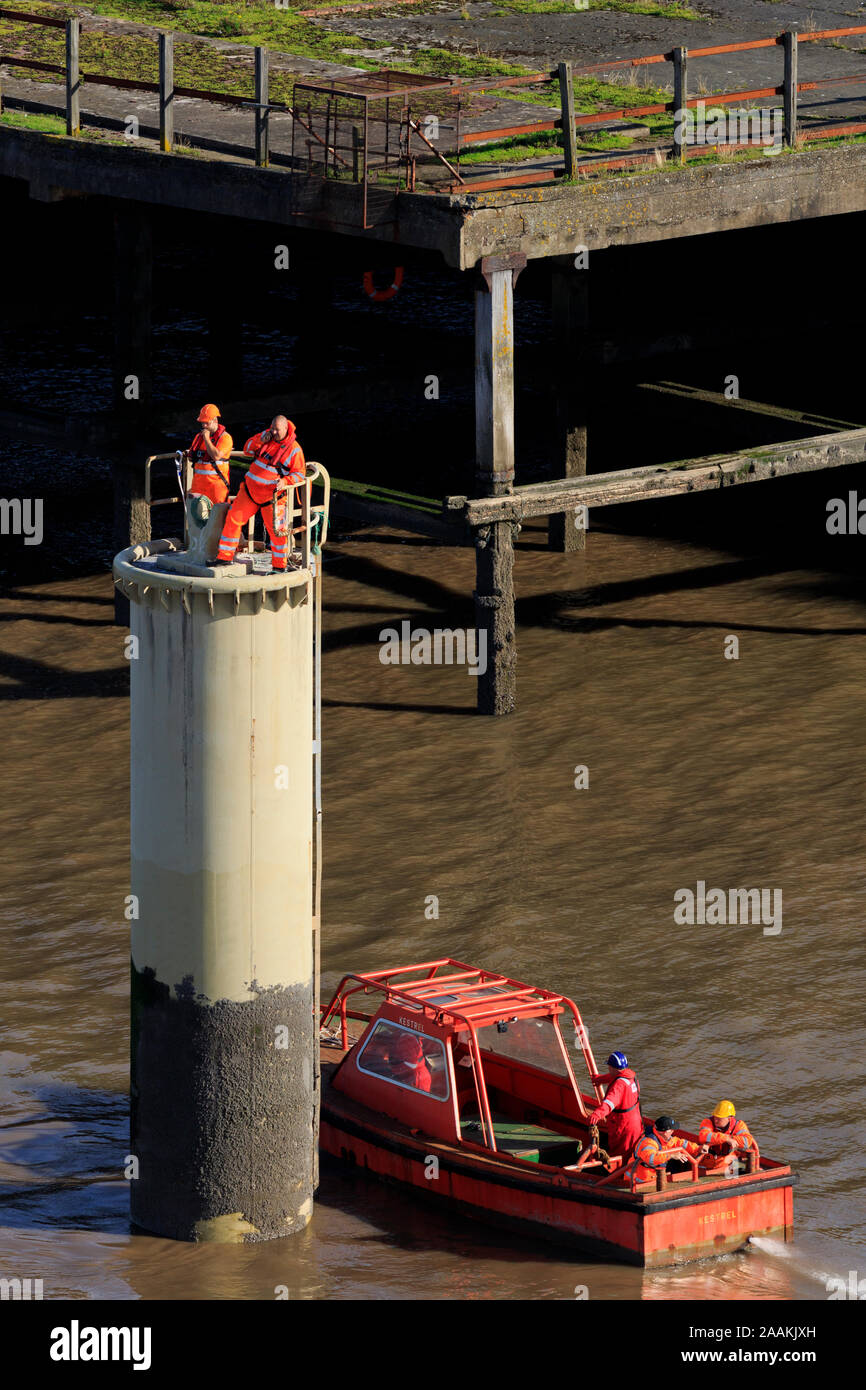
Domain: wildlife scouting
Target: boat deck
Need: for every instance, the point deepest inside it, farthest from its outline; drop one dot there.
(528, 1147)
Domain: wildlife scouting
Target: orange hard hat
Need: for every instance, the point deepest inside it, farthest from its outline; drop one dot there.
(208, 412)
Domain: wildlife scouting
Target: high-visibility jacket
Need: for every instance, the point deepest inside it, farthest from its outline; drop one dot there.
(408, 1062)
(737, 1130)
(621, 1107)
(211, 479)
(276, 459)
(648, 1157)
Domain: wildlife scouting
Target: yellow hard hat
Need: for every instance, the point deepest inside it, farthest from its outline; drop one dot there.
(724, 1110)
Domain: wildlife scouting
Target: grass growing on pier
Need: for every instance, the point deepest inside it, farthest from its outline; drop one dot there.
(48, 125)
(123, 54)
(530, 147)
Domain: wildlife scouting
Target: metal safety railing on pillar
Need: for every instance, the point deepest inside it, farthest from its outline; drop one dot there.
(312, 527)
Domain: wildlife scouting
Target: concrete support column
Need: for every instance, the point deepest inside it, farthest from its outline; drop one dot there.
(494, 476)
(132, 377)
(223, 1037)
(570, 314)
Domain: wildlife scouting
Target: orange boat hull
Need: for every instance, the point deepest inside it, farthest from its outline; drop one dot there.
(651, 1230)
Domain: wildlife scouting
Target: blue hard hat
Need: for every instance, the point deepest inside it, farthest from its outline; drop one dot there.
(617, 1059)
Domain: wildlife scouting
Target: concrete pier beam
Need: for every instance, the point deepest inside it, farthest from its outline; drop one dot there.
(494, 477)
(222, 1083)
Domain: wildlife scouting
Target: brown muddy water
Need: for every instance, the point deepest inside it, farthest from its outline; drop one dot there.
(742, 773)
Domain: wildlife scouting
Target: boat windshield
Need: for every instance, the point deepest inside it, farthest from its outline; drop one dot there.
(530, 1040)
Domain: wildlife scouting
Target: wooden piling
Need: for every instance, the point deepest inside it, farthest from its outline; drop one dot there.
(570, 314)
(494, 468)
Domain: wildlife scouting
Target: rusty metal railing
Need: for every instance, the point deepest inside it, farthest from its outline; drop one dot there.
(789, 89)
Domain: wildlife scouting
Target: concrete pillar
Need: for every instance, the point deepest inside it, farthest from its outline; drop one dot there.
(494, 476)
(131, 377)
(570, 315)
(223, 1034)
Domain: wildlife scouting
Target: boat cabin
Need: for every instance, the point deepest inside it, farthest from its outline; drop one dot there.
(466, 1055)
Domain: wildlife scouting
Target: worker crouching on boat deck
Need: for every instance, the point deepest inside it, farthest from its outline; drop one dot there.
(620, 1107)
(276, 455)
(648, 1156)
(209, 455)
(722, 1135)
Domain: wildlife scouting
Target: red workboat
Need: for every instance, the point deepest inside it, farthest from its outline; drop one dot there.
(458, 1082)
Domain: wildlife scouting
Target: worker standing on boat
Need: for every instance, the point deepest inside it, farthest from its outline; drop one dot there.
(723, 1134)
(621, 1105)
(652, 1149)
(276, 455)
(209, 455)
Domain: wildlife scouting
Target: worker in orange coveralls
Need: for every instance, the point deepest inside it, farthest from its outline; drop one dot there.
(409, 1063)
(209, 455)
(648, 1155)
(722, 1134)
(620, 1107)
(276, 455)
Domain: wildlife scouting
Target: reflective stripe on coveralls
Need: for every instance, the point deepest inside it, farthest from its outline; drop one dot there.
(273, 460)
(648, 1150)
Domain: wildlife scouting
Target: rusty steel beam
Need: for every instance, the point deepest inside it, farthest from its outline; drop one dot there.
(504, 132)
(832, 33)
(735, 47)
(830, 82)
(834, 132)
(509, 181)
(479, 85)
(33, 19)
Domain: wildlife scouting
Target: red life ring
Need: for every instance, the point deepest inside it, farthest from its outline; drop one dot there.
(379, 295)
